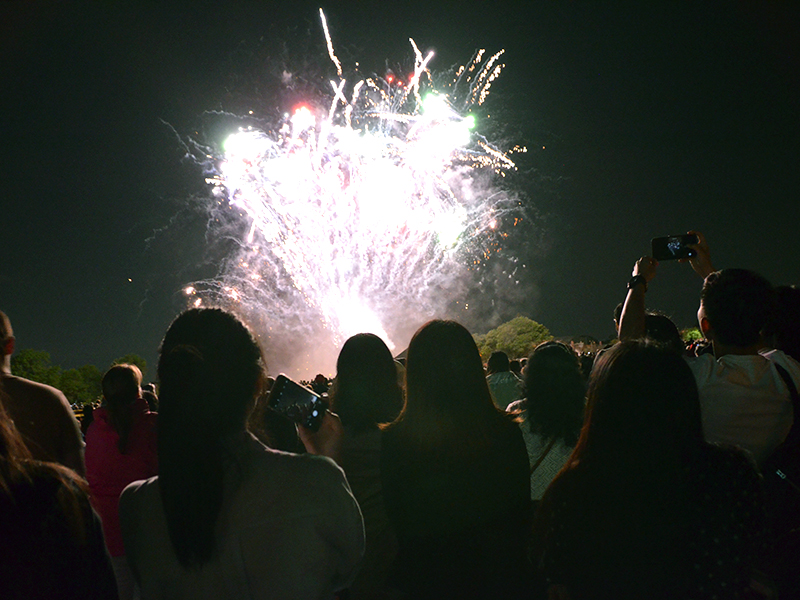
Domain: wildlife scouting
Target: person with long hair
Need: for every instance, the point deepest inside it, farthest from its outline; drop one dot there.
(120, 448)
(645, 508)
(366, 394)
(455, 475)
(227, 517)
(551, 411)
(51, 541)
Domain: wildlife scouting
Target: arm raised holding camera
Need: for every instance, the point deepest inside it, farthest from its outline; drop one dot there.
(701, 262)
(632, 320)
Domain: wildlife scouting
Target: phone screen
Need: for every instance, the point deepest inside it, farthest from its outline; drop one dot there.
(298, 403)
(673, 247)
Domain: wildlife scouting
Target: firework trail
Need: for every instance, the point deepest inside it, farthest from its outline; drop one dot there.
(363, 215)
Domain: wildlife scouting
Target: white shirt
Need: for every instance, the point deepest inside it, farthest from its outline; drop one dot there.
(744, 400)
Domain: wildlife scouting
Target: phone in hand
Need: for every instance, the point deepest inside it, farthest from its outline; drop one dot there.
(673, 247)
(297, 402)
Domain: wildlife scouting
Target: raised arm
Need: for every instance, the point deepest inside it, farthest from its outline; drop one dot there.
(631, 322)
(701, 263)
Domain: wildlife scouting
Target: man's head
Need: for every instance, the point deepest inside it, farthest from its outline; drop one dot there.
(734, 306)
(6, 337)
(497, 363)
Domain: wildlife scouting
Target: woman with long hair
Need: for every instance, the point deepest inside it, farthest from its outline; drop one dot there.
(51, 541)
(645, 508)
(365, 394)
(120, 449)
(455, 475)
(227, 517)
(554, 395)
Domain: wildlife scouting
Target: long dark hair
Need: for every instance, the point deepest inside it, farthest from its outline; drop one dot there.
(121, 387)
(624, 501)
(555, 392)
(642, 407)
(210, 369)
(366, 392)
(448, 403)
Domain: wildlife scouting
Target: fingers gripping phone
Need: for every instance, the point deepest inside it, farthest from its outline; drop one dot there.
(673, 247)
(298, 403)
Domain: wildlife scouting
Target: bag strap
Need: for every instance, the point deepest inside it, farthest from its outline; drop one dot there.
(794, 432)
(544, 454)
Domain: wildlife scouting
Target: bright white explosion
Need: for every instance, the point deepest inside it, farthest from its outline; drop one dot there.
(364, 215)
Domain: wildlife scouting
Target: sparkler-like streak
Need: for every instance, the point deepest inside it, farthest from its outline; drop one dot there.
(364, 215)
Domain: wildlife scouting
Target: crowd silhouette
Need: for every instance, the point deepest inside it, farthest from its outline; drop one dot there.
(660, 470)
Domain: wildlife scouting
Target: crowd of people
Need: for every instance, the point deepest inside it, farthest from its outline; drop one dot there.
(653, 473)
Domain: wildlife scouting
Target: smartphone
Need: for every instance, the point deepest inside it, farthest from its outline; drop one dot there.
(673, 247)
(298, 403)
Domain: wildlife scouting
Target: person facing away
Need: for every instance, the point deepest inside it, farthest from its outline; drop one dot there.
(365, 395)
(644, 507)
(551, 411)
(120, 448)
(455, 476)
(51, 541)
(744, 398)
(41, 413)
(227, 517)
(503, 384)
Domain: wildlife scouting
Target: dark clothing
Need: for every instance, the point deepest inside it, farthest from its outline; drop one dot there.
(622, 543)
(47, 552)
(461, 517)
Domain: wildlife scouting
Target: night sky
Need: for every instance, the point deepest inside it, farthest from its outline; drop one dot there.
(641, 119)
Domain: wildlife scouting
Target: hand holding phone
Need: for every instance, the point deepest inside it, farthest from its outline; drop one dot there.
(674, 247)
(298, 403)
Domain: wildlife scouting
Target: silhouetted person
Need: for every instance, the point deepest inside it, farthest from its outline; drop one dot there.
(227, 517)
(645, 508)
(41, 413)
(51, 543)
(504, 386)
(455, 476)
(121, 448)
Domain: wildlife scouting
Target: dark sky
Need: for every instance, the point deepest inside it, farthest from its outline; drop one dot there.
(655, 118)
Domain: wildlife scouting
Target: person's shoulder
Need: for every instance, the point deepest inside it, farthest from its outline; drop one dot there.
(13, 384)
(784, 360)
(289, 467)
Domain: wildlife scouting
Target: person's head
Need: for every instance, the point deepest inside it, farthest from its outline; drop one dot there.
(367, 393)
(210, 371)
(121, 387)
(735, 304)
(6, 340)
(515, 367)
(498, 362)
(642, 405)
(555, 392)
(121, 384)
(662, 330)
(448, 403)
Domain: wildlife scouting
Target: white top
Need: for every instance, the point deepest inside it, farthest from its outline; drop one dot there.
(536, 445)
(744, 401)
(291, 530)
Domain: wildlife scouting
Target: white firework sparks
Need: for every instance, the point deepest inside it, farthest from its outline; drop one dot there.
(364, 212)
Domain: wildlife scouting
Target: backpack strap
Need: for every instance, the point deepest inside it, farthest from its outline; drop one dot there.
(544, 454)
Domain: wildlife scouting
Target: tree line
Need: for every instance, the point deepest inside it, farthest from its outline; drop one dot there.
(80, 386)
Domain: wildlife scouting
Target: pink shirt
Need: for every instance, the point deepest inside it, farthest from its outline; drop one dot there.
(108, 471)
